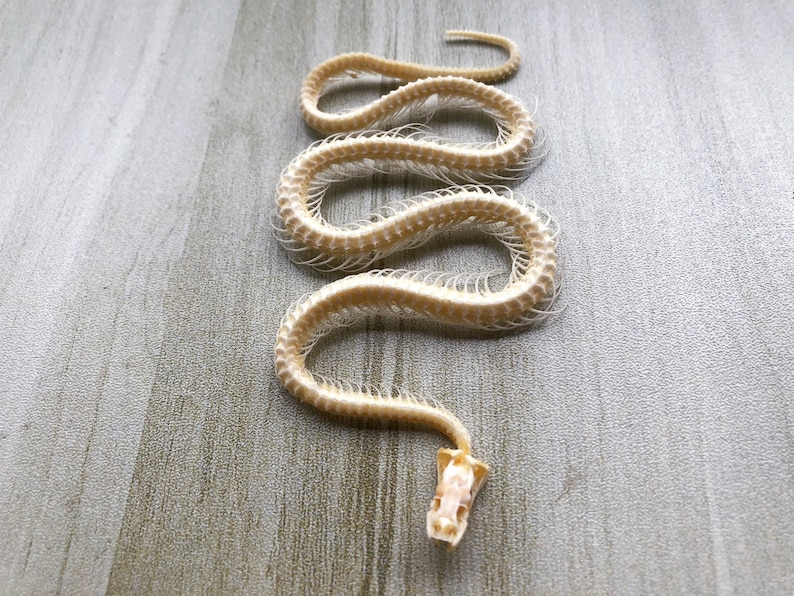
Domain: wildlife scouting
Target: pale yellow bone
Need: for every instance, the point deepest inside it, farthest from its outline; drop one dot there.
(359, 119)
(530, 241)
(460, 477)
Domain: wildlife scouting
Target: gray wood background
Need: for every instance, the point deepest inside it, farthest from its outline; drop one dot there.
(642, 441)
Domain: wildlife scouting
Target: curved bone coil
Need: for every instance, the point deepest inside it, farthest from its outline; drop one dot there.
(526, 231)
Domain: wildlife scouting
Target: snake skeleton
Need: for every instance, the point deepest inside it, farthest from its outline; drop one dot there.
(366, 140)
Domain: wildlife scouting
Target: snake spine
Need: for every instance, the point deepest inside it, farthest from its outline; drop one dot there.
(373, 138)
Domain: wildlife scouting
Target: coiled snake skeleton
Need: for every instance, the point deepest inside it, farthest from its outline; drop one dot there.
(362, 144)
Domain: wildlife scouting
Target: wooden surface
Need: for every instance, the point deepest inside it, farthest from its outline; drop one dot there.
(640, 442)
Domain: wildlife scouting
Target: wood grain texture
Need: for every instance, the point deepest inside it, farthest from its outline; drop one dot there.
(641, 441)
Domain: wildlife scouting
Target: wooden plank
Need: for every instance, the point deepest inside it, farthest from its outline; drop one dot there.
(640, 440)
(106, 114)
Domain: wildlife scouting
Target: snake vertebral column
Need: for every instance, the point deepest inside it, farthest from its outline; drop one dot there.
(362, 143)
